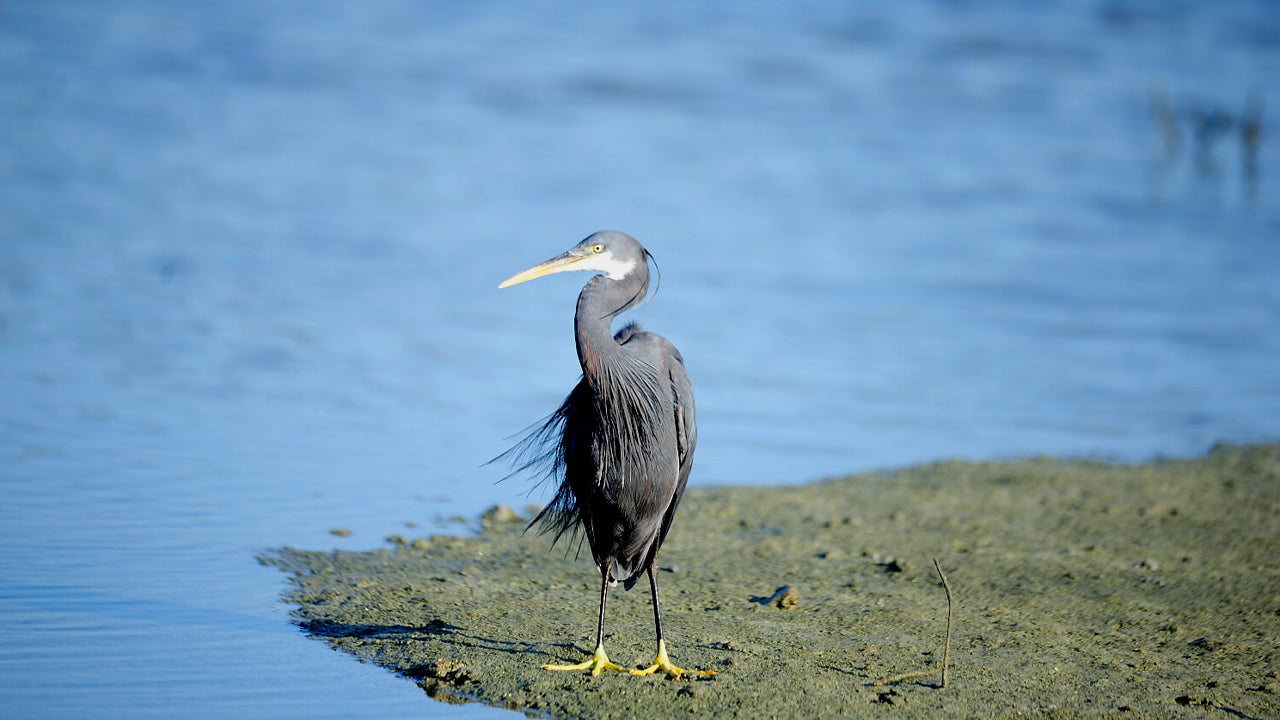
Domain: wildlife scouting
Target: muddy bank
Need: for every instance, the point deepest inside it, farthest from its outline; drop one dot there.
(1080, 588)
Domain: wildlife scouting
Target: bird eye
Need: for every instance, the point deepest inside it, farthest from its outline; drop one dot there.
(597, 248)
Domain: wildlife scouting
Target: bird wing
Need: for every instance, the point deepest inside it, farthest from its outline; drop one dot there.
(686, 432)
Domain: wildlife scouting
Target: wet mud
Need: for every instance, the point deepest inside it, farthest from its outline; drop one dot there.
(1080, 588)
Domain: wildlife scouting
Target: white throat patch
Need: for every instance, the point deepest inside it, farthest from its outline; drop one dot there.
(614, 268)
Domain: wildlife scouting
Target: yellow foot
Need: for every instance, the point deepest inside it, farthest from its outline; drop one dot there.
(597, 664)
(663, 664)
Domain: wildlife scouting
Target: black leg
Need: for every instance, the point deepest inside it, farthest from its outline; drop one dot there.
(599, 661)
(604, 593)
(657, 614)
(663, 663)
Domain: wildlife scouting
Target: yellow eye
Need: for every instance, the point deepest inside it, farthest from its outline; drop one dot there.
(597, 248)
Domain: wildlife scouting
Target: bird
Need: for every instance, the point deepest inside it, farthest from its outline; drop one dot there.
(621, 444)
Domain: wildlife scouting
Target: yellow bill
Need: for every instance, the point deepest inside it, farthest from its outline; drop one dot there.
(554, 265)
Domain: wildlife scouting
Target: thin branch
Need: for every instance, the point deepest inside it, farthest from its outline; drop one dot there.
(946, 646)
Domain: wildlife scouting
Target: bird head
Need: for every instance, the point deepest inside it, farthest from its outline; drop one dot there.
(616, 255)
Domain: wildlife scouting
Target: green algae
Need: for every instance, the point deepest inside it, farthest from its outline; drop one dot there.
(1080, 588)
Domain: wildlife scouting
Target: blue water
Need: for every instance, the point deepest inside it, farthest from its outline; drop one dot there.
(249, 256)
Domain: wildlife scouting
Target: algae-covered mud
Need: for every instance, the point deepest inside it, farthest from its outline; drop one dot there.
(1079, 589)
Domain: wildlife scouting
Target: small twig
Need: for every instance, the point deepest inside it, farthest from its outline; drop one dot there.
(946, 645)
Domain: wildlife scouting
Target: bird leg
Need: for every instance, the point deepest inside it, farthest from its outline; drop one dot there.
(599, 662)
(663, 662)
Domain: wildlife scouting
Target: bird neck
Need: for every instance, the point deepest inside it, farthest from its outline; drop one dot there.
(600, 302)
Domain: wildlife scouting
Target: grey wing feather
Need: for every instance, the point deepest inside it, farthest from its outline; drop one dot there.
(686, 432)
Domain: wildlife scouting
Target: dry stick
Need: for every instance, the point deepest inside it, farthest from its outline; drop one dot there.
(946, 646)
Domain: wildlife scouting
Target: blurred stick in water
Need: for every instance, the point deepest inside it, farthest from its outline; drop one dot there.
(946, 645)
(1250, 141)
(1171, 139)
(1206, 123)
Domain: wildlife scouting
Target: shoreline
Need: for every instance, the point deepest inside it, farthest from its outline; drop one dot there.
(1081, 588)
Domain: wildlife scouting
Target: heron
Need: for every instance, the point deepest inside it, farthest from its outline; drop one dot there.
(622, 442)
